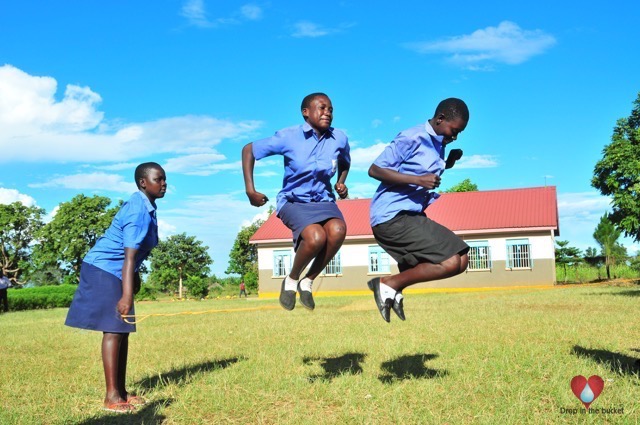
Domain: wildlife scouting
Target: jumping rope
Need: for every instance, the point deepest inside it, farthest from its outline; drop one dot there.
(137, 318)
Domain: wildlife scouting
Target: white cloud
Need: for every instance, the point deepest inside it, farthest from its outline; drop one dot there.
(165, 229)
(118, 167)
(92, 181)
(308, 29)
(200, 165)
(477, 161)
(251, 12)
(195, 13)
(507, 43)
(376, 123)
(362, 158)
(35, 127)
(9, 196)
(579, 214)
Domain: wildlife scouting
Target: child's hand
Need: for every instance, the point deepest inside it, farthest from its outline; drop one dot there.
(342, 190)
(454, 155)
(124, 305)
(428, 181)
(257, 199)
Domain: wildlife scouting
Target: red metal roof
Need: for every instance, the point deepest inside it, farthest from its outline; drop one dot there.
(462, 212)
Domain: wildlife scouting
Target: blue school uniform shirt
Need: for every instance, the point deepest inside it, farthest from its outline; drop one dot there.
(309, 162)
(416, 151)
(134, 226)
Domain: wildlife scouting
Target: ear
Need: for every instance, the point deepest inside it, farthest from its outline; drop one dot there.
(305, 113)
(143, 183)
(440, 117)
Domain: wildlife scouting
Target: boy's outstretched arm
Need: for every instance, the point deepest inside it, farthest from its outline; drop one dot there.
(256, 198)
(391, 177)
(454, 155)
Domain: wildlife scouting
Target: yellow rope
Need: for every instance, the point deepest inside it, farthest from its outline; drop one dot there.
(141, 317)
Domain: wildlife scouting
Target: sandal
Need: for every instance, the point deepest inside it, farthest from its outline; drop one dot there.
(135, 400)
(119, 407)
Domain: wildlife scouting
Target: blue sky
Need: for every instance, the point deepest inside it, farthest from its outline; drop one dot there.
(90, 89)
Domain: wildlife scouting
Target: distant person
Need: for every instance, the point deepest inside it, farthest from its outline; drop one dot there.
(313, 152)
(242, 290)
(408, 169)
(5, 284)
(109, 279)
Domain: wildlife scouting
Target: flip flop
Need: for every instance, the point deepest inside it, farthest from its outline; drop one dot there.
(135, 400)
(120, 407)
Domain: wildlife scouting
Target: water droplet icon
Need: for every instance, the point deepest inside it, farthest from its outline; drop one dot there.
(587, 395)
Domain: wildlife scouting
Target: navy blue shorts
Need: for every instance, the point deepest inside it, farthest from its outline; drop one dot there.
(296, 216)
(94, 303)
(412, 238)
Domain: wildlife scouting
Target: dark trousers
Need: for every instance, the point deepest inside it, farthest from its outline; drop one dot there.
(242, 291)
(4, 299)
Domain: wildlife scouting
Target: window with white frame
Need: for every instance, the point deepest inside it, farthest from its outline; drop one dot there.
(281, 262)
(519, 254)
(334, 266)
(378, 260)
(479, 255)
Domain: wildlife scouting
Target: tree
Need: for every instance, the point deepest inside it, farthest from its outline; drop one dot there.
(19, 225)
(464, 186)
(178, 257)
(567, 255)
(74, 230)
(617, 174)
(243, 258)
(607, 236)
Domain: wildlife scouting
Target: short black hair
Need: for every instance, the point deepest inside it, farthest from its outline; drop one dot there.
(142, 171)
(306, 102)
(452, 108)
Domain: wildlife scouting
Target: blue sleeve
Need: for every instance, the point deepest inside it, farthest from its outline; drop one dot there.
(274, 145)
(395, 153)
(345, 157)
(135, 221)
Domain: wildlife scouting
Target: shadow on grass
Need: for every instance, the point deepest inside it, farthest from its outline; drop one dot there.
(147, 414)
(409, 367)
(630, 293)
(616, 362)
(184, 375)
(346, 364)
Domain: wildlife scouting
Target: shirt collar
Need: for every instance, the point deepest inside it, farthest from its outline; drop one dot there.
(151, 207)
(308, 131)
(432, 132)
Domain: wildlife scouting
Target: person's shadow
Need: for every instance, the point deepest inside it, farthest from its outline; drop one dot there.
(184, 375)
(149, 413)
(409, 367)
(346, 364)
(617, 362)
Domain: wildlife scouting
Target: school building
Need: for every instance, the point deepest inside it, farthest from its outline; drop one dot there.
(511, 234)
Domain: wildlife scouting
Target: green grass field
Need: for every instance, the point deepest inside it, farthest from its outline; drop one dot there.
(472, 357)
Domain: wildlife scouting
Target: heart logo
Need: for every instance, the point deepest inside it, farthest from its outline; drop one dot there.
(587, 390)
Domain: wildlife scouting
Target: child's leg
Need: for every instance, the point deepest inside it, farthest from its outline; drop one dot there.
(122, 365)
(425, 272)
(312, 240)
(111, 343)
(335, 230)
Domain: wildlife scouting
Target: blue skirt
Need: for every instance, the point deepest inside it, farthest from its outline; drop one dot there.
(94, 303)
(296, 216)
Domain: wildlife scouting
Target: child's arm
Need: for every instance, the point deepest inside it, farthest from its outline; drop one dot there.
(391, 177)
(454, 155)
(128, 272)
(340, 187)
(256, 198)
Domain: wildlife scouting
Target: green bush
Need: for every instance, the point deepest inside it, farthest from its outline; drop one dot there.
(40, 297)
(198, 287)
(147, 292)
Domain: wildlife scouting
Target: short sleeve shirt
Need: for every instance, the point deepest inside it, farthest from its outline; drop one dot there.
(309, 162)
(415, 151)
(134, 226)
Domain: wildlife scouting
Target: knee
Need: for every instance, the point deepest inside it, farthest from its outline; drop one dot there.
(315, 238)
(336, 230)
(456, 264)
